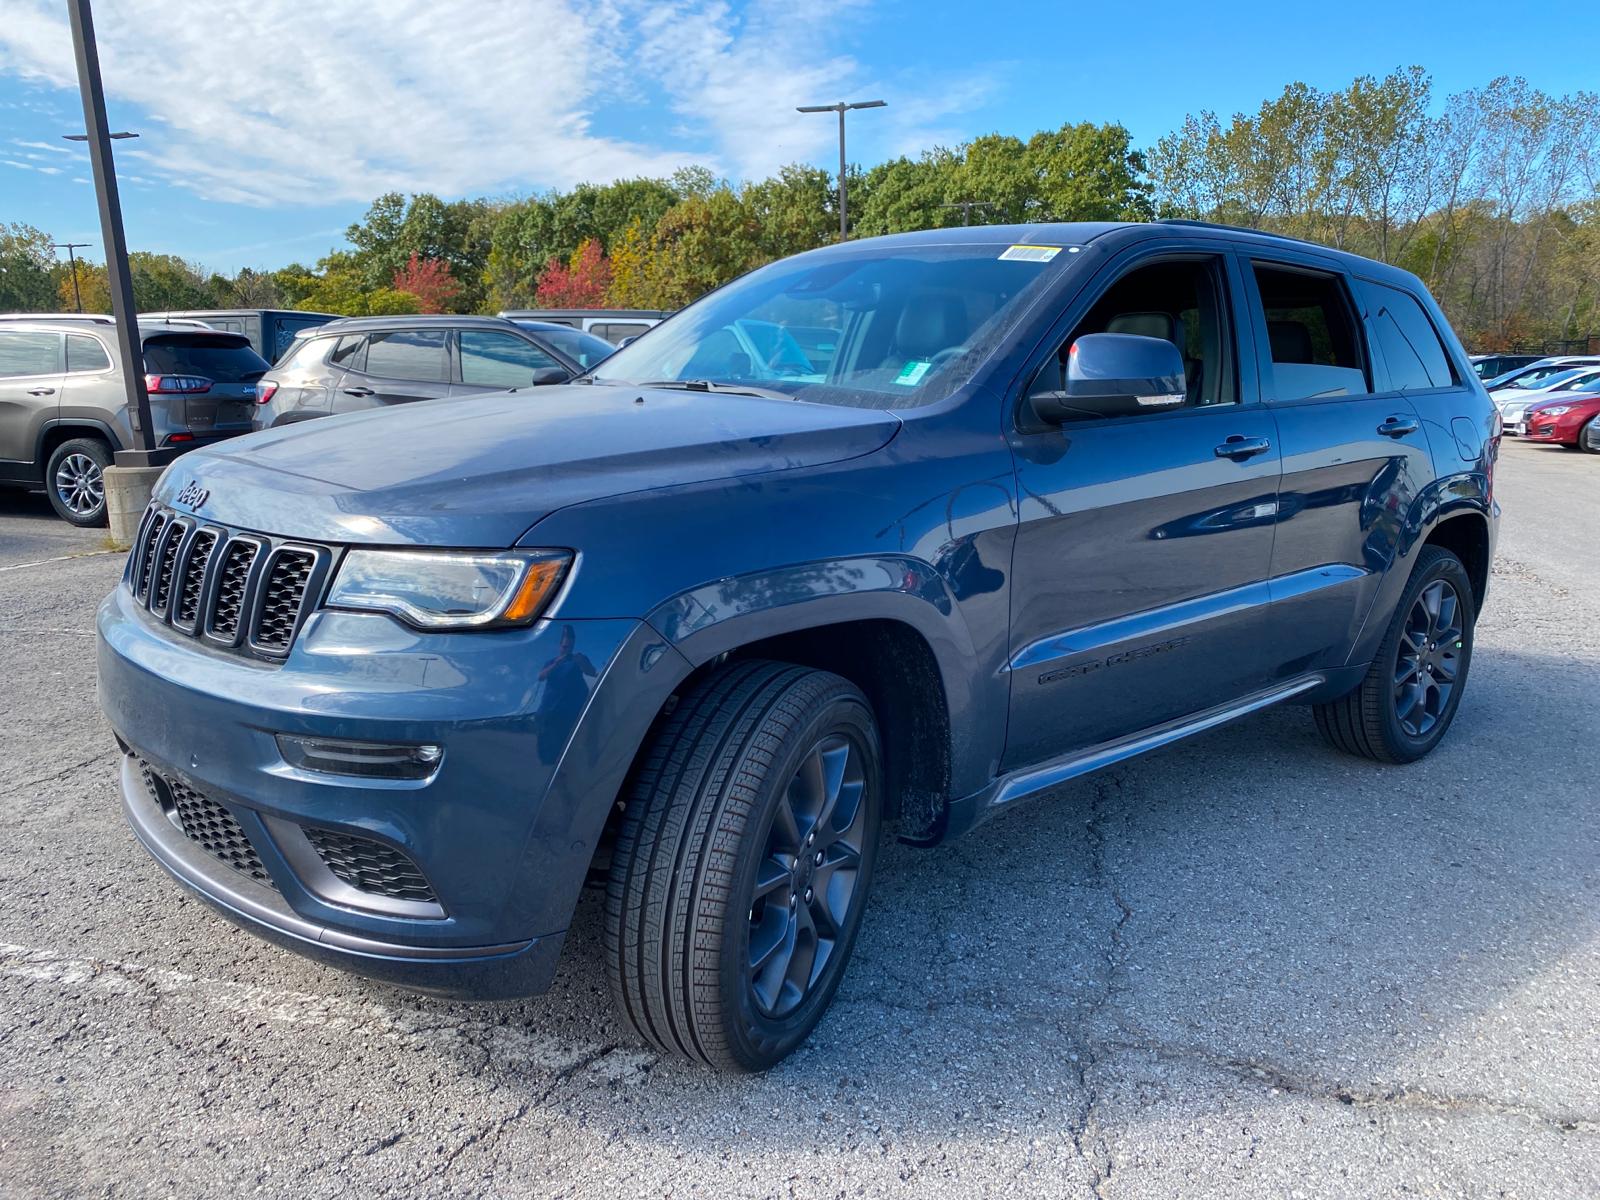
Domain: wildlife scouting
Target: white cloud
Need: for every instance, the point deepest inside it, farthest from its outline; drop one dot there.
(285, 105)
(39, 146)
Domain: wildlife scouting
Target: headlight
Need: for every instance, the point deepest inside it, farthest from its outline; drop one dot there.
(449, 589)
(1557, 411)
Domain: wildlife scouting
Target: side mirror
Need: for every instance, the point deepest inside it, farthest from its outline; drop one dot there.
(628, 341)
(549, 375)
(1110, 375)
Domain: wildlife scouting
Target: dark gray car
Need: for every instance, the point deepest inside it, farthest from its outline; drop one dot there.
(63, 408)
(371, 362)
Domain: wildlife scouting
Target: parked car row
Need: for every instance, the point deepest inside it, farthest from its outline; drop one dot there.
(63, 409)
(63, 405)
(1555, 400)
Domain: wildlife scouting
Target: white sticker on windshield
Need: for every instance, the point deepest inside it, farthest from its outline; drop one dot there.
(911, 374)
(1030, 253)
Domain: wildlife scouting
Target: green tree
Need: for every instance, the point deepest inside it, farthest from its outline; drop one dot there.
(28, 271)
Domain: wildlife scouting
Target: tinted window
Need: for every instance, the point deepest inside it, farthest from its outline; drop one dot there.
(309, 352)
(499, 360)
(409, 354)
(583, 348)
(351, 352)
(1411, 347)
(1180, 302)
(615, 331)
(220, 359)
(85, 353)
(1311, 334)
(29, 354)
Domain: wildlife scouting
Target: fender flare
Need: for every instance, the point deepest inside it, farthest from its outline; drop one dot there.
(85, 423)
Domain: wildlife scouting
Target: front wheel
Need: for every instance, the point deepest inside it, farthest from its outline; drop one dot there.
(1589, 436)
(742, 866)
(1410, 695)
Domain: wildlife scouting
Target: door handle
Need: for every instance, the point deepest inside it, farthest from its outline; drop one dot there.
(359, 391)
(1398, 427)
(41, 391)
(1238, 447)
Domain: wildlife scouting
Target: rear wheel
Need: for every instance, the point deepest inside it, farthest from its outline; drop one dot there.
(742, 866)
(75, 479)
(1410, 695)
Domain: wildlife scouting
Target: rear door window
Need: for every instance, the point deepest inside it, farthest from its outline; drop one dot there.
(85, 353)
(29, 354)
(1411, 348)
(417, 354)
(499, 360)
(227, 359)
(615, 331)
(1312, 337)
(351, 352)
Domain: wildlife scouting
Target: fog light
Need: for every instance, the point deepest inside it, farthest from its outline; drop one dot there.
(368, 760)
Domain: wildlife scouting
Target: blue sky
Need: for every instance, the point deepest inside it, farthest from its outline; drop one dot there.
(267, 126)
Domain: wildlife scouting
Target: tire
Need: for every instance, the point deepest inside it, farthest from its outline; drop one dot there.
(704, 823)
(1589, 437)
(1374, 721)
(74, 479)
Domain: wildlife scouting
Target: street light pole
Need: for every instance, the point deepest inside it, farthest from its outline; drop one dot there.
(69, 247)
(99, 137)
(966, 207)
(841, 108)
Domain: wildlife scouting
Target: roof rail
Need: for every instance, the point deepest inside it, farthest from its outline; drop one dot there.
(96, 318)
(1287, 237)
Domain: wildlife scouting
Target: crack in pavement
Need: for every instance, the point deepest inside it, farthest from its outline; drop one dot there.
(59, 775)
(1402, 1096)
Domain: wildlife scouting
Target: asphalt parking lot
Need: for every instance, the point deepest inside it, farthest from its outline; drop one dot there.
(1242, 966)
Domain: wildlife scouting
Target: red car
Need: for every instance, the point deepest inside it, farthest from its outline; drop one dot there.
(1572, 421)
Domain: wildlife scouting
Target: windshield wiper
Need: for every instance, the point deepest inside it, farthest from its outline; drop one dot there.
(708, 385)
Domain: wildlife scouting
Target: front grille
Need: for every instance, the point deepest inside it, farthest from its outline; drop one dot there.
(371, 867)
(206, 823)
(238, 590)
(285, 594)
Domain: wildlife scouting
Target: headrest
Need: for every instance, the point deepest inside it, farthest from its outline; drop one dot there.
(1145, 324)
(930, 323)
(1290, 341)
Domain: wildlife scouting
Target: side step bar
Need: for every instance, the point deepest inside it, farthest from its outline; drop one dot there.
(972, 810)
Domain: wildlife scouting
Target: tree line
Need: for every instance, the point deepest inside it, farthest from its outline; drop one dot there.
(1491, 196)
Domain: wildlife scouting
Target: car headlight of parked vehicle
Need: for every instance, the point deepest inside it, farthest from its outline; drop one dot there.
(451, 589)
(1558, 410)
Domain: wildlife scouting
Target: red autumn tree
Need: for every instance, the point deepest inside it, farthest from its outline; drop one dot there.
(429, 280)
(580, 282)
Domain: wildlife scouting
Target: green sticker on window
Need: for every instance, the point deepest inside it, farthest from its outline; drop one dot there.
(911, 374)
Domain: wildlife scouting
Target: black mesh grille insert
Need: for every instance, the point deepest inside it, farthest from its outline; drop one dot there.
(147, 551)
(284, 592)
(232, 578)
(187, 606)
(206, 823)
(371, 867)
(166, 559)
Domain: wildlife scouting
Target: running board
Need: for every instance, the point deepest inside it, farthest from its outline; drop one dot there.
(1030, 781)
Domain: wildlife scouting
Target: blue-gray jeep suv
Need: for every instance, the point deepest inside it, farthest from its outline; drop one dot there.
(898, 531)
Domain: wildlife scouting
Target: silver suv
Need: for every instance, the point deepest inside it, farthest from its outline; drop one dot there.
(64, 413)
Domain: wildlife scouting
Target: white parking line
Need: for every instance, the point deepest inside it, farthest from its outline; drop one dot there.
(506, 1042)
(43, 562)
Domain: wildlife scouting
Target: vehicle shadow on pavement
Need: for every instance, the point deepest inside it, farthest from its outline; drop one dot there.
(1252, 905)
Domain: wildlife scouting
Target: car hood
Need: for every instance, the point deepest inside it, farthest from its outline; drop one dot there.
(478, 471)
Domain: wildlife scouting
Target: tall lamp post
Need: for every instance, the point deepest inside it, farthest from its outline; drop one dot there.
(841, 108)
(72, 258)
(99, 137)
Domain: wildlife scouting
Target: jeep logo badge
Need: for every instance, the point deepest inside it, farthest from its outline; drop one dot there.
(192, 496)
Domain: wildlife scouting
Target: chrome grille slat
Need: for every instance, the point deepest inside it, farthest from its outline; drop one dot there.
(242, 591)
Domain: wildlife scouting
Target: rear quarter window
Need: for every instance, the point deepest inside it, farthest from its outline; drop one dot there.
(220, 359)
(1411, 348)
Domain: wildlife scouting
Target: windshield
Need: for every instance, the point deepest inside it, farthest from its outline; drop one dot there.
(582, 348)
(880, 327)
(1582, 379)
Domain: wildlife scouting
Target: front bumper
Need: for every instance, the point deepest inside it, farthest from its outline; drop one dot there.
(1562, 430)
(503, 831)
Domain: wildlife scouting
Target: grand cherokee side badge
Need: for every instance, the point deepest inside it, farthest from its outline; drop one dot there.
(192, 496)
